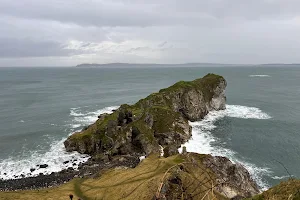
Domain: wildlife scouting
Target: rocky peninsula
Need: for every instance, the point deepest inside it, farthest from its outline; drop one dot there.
(158, 122)
(154, 128)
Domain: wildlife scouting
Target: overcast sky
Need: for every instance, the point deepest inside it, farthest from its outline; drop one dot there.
(70, 32)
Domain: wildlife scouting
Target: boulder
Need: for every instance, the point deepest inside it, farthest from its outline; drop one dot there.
(43, 166)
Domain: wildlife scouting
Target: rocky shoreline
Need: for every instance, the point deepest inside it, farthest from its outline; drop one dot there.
(91, 168)
(156, 125)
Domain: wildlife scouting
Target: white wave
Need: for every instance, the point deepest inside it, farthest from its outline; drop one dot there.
(259, 75)
(245, 112)
(56, 158)
(22, 121)
(82, 118)
(12, 168)
(74, 113)
(280, 177)
(204, 142)
(75, 126)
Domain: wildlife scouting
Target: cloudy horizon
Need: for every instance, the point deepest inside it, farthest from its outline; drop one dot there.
(71, 32)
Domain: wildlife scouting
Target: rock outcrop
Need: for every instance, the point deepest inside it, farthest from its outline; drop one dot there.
(200, 176)
(159, 120)
(232, 180)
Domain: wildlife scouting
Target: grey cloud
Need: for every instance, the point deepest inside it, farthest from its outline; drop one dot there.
(156, 13)
(14, 48)
(234, 31)
(162, 44)
(91, 13)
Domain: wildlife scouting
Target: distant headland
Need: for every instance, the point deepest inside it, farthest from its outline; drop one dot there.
(138, 65)
(156, 65)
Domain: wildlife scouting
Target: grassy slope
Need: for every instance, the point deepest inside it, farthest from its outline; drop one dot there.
(287, 190)
(141, 182)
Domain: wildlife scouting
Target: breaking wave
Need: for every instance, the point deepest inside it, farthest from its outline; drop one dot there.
(204, 142)
(280, 177)
(259, 75)
(56, 158)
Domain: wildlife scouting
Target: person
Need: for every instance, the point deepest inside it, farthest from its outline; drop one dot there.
(71, 196)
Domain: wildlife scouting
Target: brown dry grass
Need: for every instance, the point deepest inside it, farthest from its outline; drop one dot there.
(141, 182)
(287, 190)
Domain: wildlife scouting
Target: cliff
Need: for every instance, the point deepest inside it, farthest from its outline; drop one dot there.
(160, 121)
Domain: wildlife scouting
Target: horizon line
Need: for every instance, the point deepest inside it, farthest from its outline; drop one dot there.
(121, 63)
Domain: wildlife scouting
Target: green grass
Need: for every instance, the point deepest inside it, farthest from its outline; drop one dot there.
(287, 190)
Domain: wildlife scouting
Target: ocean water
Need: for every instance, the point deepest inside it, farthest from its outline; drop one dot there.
(40, 107)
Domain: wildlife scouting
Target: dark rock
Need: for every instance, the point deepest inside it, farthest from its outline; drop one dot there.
(56, 178)
(173, 188)
(184, 151)
(238, 197)
(149, 120)
(66, 162)
(102, 116)
(32, 169)
(85, 128)
(170, 150)
(121, 118)
(44, 166)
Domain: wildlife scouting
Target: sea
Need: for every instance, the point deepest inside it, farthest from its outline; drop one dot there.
(40, 107)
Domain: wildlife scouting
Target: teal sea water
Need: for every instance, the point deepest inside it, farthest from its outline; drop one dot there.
(40, 107)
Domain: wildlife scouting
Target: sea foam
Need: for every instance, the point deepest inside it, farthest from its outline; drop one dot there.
(203, 141)
(259, 75)
(280, 177)
(56, 157)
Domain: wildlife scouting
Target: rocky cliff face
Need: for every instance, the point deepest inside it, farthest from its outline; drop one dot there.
(158, 121)
(200, 176)
(232, 180)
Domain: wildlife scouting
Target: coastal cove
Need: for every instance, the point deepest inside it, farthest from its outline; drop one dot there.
(253, 130)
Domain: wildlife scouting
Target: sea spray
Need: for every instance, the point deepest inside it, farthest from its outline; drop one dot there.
(259, 75)
(56, 157)
(204, 142)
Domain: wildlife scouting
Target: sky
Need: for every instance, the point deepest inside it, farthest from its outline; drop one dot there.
(71, 32)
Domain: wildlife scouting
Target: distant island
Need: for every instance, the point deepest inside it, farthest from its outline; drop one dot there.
(147, 65)
(136, 65)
